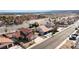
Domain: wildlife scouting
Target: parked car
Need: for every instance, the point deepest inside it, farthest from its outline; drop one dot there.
(73, 37)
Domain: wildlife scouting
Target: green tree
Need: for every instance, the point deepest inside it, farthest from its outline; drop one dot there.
(36, 24)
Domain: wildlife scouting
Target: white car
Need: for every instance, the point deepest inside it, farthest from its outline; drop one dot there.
(73, 37)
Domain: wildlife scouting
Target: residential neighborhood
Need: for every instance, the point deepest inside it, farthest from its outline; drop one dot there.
(39, 31)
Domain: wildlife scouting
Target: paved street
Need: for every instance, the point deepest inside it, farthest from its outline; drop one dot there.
(59, 37)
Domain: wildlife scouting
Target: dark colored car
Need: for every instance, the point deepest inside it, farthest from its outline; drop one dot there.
(73, 37)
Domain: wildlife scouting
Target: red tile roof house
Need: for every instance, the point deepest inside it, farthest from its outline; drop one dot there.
(5, 42)
(24, 36)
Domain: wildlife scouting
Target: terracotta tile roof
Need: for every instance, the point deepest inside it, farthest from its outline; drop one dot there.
(16, 34)
(29, 36)
(26, 31)
(5, 40)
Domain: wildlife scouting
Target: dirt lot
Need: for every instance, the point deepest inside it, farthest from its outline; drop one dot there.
(68, 45)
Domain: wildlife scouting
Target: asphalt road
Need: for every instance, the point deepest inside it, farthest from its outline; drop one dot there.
(59, 37)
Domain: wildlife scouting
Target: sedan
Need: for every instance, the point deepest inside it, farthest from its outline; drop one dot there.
(73, 37)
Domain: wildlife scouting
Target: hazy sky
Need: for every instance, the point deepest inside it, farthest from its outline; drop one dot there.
(24, 10)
